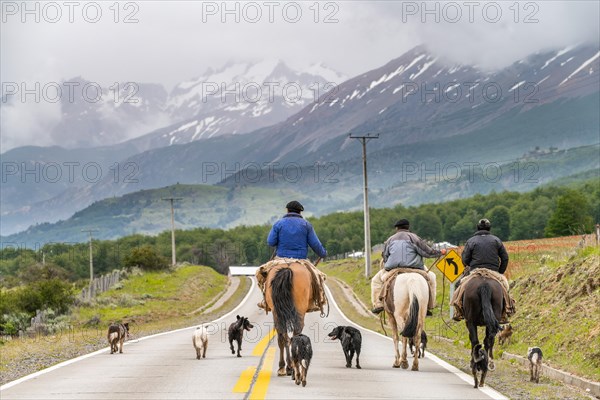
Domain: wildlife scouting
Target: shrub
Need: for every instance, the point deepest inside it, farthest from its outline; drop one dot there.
(145, 257)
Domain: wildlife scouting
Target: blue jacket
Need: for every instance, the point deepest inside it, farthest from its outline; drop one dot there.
(292, 235)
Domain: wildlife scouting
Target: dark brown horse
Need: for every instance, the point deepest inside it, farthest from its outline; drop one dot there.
(482, 305)
(288, 292)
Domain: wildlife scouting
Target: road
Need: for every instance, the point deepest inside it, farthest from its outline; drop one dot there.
(164, 367)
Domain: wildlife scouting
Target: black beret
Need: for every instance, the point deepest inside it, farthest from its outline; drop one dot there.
(402, 222)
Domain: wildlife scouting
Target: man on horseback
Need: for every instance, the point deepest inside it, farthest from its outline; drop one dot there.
(484, 251)
(404, 249)
(292, 235)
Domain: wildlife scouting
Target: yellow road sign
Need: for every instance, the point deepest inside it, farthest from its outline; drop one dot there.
(451, 265)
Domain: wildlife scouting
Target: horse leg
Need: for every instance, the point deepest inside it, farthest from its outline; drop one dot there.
(281, 343)
(488, 342)
(395, 340)
(404, 360)
(417, 353)
(289, 369)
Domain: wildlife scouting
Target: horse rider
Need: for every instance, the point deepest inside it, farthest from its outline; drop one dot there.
(291, 235)
(482, 250)
(404, 249)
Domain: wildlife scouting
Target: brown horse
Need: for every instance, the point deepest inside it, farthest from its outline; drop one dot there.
(288, 292)
(482, 305)
(407, 316)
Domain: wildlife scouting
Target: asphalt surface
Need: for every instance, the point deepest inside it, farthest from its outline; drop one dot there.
(165, 367)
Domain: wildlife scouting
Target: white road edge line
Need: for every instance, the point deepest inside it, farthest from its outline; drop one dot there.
(95, 353)
(450, 368)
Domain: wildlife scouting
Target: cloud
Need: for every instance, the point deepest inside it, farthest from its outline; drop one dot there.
(170, 43)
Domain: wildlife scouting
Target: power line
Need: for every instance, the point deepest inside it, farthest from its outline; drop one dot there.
(173, 254)
(364, 140)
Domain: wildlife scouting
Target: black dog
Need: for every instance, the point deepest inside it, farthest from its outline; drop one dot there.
(236, 331)
(479, 362)
(411, 344)
(351, 341)
(301, 356)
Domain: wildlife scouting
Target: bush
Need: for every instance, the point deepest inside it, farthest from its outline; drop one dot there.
(147, 258)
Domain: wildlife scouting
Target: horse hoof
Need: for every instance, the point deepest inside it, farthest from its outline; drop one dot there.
(348, 366)
(297, 382)
(303, 383)
(358, 367)
(281, 372)
(396, 365)
(415, 368)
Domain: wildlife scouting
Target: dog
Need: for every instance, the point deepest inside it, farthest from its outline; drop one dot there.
(534, 355)
(301, 355)
(351, 341)
(116, 336)
(479, 362)
(200, 341)
(411, 344)
(505, 334)
(236, 332)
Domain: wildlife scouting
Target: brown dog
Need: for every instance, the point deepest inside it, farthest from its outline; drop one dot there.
(116, 336)
(505, 334)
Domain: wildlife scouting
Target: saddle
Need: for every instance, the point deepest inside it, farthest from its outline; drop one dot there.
(509, 303)
(387, 295)
(318, 298)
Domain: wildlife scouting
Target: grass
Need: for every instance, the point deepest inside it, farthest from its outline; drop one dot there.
(160, 302)
(567, 331)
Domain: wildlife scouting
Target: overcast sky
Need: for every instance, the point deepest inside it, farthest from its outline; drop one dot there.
(169, 42)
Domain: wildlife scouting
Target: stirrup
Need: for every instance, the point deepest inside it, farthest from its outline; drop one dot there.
(377, 310)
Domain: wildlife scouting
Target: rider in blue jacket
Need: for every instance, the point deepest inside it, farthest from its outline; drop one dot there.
(292, 235)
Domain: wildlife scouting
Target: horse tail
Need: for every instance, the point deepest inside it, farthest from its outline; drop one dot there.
(410, 329)
(491, 323)
(287, 318)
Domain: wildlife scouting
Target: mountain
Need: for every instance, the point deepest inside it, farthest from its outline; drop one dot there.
(57, 183)
(431, 117)
(236, 99)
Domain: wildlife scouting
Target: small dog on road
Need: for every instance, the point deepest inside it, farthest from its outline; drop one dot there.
(351, 341)
(116, 336)
(301, 356)
(534, 355)
(200, 340)
(479, 362)
(236, 332)
(411, 344)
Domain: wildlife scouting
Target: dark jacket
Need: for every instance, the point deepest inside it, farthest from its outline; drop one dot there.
(405, 249)
(292, 235)
(484, 250)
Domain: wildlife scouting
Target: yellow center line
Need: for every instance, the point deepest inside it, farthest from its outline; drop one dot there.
(260, 347)
(259, 391)
(244, 382)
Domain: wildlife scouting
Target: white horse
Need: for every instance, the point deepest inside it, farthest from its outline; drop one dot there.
(407, 314)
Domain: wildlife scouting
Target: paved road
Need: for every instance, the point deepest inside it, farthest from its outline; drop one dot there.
(164, 367)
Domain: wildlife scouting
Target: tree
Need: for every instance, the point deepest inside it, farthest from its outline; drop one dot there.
(499, 216)
(571, 216)
(427, 225)
(146, 258)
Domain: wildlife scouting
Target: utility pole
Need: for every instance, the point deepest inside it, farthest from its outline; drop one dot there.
(90, 231)
(172, 199)
(364, 140)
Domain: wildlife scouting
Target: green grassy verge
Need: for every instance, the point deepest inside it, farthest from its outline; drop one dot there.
(152, 303)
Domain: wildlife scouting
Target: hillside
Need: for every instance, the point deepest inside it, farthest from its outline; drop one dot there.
(440, 121)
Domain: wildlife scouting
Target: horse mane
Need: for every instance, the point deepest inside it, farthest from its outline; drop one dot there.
(410, 329)
(286, 316)
(485, 294)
